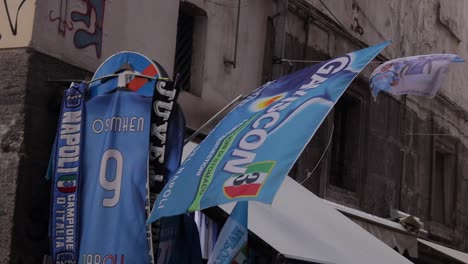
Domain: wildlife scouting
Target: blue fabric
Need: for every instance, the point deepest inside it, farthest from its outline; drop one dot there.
(138, 62)
(50, 167)
(114, 181)
(179, 242)
(248, 154)
(114, 191)
(66, 173)
(233, 236)
(174, 141)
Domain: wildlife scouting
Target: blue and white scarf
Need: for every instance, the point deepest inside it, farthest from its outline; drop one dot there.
(66, 175)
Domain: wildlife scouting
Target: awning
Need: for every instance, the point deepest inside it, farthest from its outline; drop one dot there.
(391, 233)
(455, 254)
(301, 226)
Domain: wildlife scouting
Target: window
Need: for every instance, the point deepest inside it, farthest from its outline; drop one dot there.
(345, 157)
(443, 187)
(190, 48)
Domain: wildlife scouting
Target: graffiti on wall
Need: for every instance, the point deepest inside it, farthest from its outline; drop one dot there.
(356, 27)
(91, 34)
(84, 38)
(12, 9)
(62, 18)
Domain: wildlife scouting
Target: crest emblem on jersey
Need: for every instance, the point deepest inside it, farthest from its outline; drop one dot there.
(65, 257)
(73, 99)
(67, 183)
(249, 183)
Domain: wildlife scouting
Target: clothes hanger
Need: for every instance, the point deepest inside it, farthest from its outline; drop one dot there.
(122, 70)
(125, 69)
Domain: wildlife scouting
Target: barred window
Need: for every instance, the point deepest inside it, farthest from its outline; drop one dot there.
(345, 158)
(190, 48)
(443, 186)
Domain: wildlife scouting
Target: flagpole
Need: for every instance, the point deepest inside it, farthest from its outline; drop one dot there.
(238, 98)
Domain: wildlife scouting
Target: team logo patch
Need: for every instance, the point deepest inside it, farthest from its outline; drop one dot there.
(73, 98)
(249, 183)
(66, 257)
(67, 183)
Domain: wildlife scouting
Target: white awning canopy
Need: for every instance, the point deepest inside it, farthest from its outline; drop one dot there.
(391, 233)
(302, 226)
(458, 255)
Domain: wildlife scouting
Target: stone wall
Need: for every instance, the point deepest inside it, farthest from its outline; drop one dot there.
(13, 75)
(29, 108)
(399, 135)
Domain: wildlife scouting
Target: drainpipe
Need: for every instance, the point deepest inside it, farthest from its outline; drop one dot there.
(280, 17)
(233, 62)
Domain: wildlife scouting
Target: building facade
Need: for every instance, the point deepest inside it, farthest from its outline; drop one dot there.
(396, 152)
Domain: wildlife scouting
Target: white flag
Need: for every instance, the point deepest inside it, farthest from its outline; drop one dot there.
(417, 75)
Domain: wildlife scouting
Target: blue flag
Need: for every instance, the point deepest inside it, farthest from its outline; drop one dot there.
(248, 154)
(179, 242)
(233, 237)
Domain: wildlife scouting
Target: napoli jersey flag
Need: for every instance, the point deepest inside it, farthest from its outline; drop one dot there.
(416, 75)
(248, 154)
(114, 192)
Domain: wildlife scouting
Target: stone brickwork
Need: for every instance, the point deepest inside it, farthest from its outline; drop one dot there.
(29, 108)
(401, 138)
(13, 75)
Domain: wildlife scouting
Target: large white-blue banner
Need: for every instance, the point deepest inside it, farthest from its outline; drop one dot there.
(416, 75)
(248, 154)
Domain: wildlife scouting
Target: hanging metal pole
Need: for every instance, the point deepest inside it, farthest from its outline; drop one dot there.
(238, 98)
